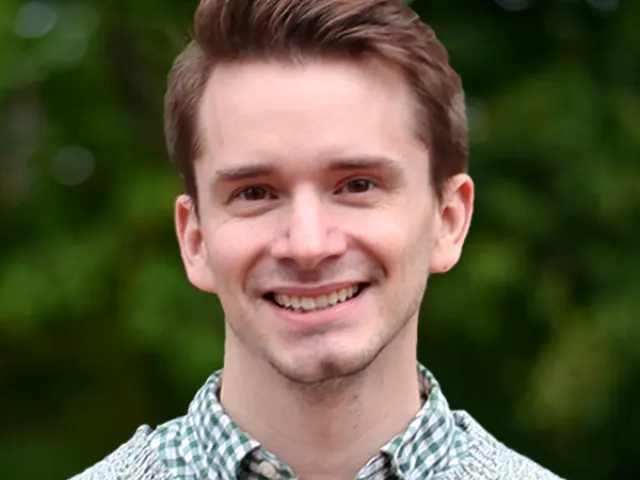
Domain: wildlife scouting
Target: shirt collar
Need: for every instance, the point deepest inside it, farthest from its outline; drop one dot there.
(218, 445)
(425, 445)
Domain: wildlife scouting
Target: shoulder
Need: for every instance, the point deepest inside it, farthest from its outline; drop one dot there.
(486, 458)
(135, 459)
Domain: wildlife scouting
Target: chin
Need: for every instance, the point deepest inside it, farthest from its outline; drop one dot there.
(325, 368)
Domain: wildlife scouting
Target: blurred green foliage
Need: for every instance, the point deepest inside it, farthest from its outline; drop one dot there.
(534, 333)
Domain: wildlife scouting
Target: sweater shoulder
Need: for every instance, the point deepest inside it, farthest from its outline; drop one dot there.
(488, 459)
(133, 460)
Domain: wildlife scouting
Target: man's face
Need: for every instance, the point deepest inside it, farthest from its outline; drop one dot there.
(317, 223)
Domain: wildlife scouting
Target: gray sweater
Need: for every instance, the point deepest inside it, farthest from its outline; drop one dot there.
(487, 459)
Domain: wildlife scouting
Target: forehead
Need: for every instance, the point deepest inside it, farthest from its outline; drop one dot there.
(302, 114)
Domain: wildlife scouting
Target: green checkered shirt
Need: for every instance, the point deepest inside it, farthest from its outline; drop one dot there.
(206, 444)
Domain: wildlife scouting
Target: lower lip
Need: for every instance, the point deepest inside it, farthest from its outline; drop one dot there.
(332, 314)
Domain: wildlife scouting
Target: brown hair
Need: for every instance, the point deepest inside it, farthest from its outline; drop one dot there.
(290, 30)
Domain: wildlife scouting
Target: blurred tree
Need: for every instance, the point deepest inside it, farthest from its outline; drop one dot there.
(100, 331)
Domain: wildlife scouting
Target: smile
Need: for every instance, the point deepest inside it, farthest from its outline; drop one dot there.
(310, 304)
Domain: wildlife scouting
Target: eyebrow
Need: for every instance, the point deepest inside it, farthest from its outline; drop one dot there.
(364, 163)
(242, 172)
(257, 170)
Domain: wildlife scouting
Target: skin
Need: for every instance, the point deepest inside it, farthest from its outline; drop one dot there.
(312, 177)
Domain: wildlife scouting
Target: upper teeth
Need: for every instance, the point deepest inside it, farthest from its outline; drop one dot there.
(314, 303)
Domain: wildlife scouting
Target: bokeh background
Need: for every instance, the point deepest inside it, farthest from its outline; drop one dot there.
(535, 333)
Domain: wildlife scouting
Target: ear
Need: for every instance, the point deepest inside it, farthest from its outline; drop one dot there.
(452, 223)
(192, 246)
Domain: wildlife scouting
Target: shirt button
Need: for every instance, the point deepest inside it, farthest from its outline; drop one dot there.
(267, 470)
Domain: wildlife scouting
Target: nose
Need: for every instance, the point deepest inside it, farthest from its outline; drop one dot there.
(311, 233)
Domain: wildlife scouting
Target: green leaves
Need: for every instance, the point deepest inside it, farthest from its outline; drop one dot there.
(535, 332)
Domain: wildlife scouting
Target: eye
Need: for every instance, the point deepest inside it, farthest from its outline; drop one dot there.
(253, 194)
(357, 185)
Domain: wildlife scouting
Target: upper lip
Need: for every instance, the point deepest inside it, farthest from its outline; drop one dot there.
(299, 291)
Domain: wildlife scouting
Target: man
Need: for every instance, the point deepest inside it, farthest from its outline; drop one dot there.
(323, 145)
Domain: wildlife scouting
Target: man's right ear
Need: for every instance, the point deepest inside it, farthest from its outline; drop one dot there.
(193, 249)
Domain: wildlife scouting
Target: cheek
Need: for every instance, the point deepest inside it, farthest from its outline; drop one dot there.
(400, 242)
(232, 249)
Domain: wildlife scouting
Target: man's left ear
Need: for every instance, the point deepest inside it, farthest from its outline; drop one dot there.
(452, 223)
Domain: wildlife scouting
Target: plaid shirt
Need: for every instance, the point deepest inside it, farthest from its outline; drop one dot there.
(206, 444)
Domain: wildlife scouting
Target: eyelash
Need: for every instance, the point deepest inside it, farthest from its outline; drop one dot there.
(241, 193)
(370, 183)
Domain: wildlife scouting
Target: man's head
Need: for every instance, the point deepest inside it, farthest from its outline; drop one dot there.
(323, 145)
(295, 31)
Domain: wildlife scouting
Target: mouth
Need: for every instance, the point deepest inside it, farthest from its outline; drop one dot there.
(304, 304)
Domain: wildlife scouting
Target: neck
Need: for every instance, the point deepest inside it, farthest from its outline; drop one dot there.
(329, 431)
